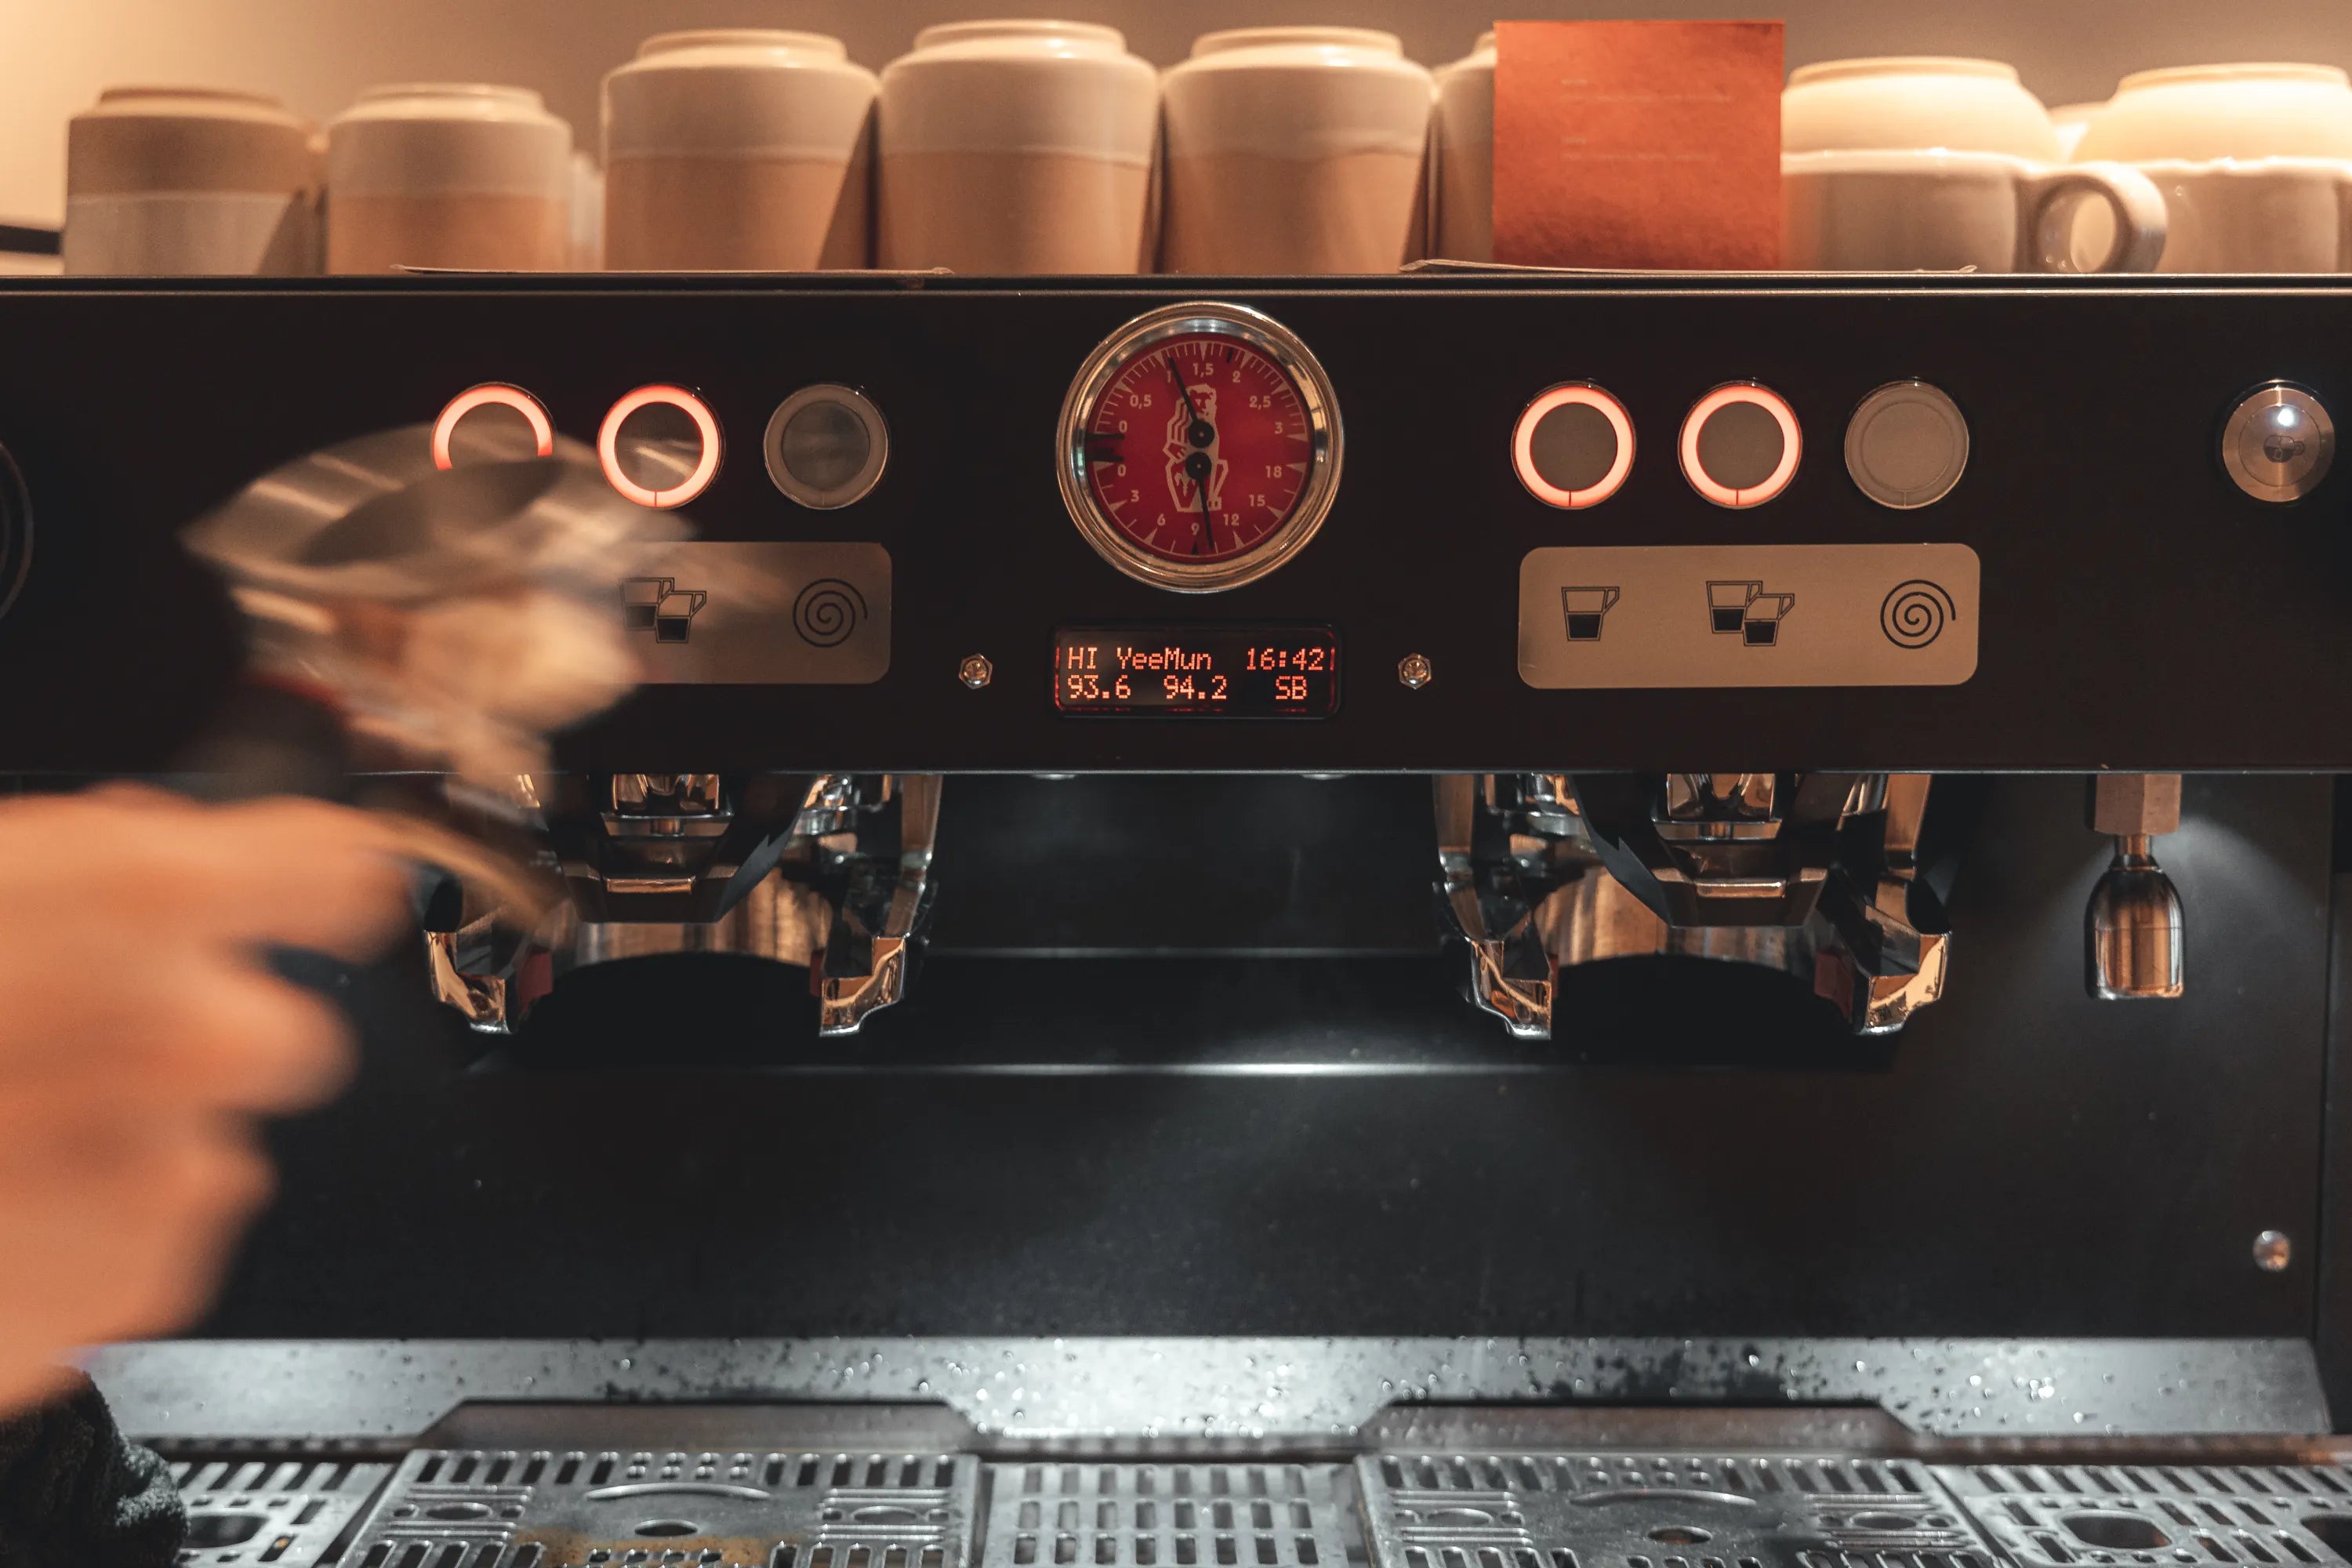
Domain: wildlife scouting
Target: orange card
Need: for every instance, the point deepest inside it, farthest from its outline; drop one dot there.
(1638, 144)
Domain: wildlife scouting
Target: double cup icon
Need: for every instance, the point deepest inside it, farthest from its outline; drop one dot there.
(1584, 608)
(1746, 611)
(658, 604)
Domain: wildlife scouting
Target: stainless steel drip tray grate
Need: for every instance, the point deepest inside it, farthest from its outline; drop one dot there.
(1620, 1510)
(473, 1508)
(2233, 1516)
(288, 1512)
(1076, 1515)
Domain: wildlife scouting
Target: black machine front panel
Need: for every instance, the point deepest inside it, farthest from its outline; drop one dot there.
(2113, 599)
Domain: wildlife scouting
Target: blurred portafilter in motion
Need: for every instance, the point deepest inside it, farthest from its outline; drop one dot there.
(405, 616)
(2133, 930)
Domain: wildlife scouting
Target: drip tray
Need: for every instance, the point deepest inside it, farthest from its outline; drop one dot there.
(657, 1506)
(1615, 1511)
(285, 1512)
(2233, 1516)
(460, 1509)
(1168, 1516)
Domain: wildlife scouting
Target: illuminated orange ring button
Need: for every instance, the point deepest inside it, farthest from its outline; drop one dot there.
(492, 395)
(1550, 452)
(706, 425)
(1744, 491)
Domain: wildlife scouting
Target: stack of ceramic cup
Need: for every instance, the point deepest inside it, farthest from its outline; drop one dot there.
(448, 174)
(1017, 147)
(1462, 177)
(1294, 150)
(738, 150)
(190, 180)
(2254, 163)
(1900, 164)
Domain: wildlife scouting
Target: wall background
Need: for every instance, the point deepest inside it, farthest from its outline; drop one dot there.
(55, 54)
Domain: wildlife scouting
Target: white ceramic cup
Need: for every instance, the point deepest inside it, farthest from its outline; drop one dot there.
(2198, 113)
(448, 174)
(738, 150)
(2255, 215)
(1912, 209)
(1016, 147)
(2253, 161)
(2071, 122)
(163, 180)
(1294, 150)
(1871, 105)
(1462, 178)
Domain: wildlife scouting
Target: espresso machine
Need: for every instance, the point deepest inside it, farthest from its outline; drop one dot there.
(1468, 921)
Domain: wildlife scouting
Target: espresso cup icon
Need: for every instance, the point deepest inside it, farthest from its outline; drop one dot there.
(674, 616)
(641, 597)
(1746, 611)
(1584, 608)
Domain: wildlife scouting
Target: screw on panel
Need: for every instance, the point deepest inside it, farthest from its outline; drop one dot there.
(976, 671)
(2274, 1250)
(1414, 671)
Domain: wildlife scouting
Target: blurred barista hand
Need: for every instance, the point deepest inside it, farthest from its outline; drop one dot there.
(143, 1034)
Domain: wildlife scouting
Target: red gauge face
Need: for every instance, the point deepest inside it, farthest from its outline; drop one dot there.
(1199, 448)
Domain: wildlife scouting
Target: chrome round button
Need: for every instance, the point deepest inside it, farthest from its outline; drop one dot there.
(2279, 443)
(1906, 444)
(826, 446)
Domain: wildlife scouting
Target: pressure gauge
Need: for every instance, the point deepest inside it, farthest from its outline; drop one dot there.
(1199, 447)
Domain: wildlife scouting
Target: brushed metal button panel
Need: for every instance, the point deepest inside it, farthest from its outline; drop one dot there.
(1602, 617)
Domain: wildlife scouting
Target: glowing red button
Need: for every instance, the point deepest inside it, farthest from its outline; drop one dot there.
(1751, 460)
(492, 395)
(695, 481)
(1572, 461)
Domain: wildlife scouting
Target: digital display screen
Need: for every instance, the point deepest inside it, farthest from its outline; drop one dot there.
(1236, 672)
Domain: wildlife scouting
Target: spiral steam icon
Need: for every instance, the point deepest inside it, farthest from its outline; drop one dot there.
(828, 612)
(1914, 613)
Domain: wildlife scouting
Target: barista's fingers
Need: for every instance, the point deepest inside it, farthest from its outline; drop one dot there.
(222, 1179)
(283, 873)
(186, 1027)
(30, 1379)
(130, 1217)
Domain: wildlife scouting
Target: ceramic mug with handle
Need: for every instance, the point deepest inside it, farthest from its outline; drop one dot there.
(1929, 208)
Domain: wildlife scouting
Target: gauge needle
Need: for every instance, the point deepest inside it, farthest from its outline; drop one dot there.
(1208, 529)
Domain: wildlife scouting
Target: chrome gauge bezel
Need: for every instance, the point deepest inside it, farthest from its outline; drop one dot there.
(1267, 337)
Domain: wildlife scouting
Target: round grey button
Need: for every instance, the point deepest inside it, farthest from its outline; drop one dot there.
(826, 446)
(2279, 443)
(1573, 446)
(1906, 444)
(1741, 445)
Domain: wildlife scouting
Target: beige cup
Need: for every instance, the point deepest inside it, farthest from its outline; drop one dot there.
(1903, 210)
(448, 174)
(2253, 161)
(1914, 101)
(2255, 215)
(739, 150)
(2070, 123)
(1934, 164)
(1463, 181)
(1016, 147)
(189, 179)
(1294, 150)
